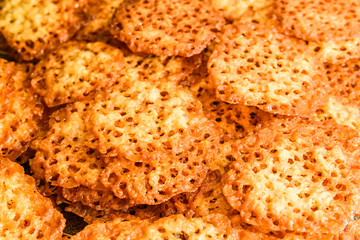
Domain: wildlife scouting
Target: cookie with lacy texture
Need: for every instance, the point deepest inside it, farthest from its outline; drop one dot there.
(26, 214)
(76, 71)
(20, 108)
(298, 176)
(166, 28)
(32, 28)
(258, 66)
(174, 227)
(157, 141)
(63, 156)
(319, 20)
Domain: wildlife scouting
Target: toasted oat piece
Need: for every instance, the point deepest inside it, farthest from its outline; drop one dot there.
(20, 110)
(32, 28)
(157, 68)
(64, 156)
(157, 141)
(234, 9)
(26, 214)
(317, 20)
(296, 175)
(98, 29)
(258, 66)
(171, 228)
(337, 52)
(343, 79)
(75, 71)
(166, 28)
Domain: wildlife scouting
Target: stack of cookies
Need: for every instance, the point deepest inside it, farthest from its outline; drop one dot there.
(180, 119)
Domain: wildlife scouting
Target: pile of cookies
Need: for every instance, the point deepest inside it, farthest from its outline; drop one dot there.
(205, 119)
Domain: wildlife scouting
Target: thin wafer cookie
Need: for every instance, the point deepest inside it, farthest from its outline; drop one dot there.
(258, 66)
(296, 176)
(75, 71)
(172, 228)
(63, 156)
(26, 214)
(56, 22)
(319, 20)
(20, 108)
(175, 27)
(157, 141)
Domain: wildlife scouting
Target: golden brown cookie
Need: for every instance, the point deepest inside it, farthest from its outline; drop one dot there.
(296, 175)
(169, 28)
(319, 20)
(172, 228)
(157, 141)
(32, 28)
(63, 157)
(76, 71)
(20, 109)
(258, 66)
(26, 214)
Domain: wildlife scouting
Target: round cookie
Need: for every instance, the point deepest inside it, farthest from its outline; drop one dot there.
(76, 71)
(166, 28)
(157, 141)
(297, 176)
(258, 66)
(319, 20)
